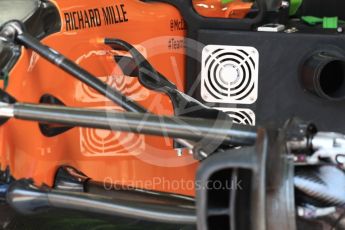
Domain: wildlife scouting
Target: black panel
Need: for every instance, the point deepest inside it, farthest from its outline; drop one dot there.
(281, 94)
(322, 8)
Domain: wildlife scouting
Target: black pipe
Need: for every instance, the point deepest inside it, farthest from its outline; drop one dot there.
(26, 198)
(324, 75)
(121, 192)
(70, 179)
(70, 67)
(195, 129)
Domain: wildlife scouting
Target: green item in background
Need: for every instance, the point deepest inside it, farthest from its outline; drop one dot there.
(294, 6)
(311, 20)
(226, 1)
(327, 22)
(330, 23)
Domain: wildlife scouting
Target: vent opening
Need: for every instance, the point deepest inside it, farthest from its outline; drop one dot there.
(324, 75)
(229, 199)
(332, 81)
(219, 222)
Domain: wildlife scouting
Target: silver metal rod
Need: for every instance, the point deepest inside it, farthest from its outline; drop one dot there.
(194, 129)
(6, 110)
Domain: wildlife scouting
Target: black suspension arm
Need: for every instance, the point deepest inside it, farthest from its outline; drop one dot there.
(194, 129)
(79, 73)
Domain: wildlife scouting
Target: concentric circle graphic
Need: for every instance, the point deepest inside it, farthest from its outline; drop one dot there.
(229, 74)
(241, 116)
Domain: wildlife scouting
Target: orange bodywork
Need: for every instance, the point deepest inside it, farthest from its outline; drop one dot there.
(236, 9)
(136, 160)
